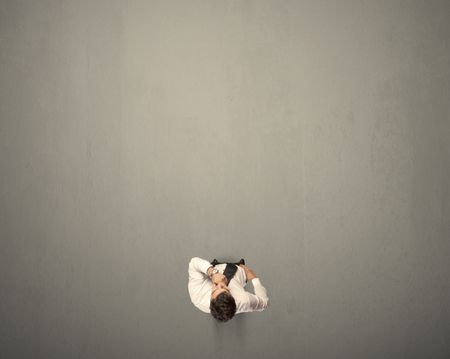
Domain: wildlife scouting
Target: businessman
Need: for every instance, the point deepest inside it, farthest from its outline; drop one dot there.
(218, 288)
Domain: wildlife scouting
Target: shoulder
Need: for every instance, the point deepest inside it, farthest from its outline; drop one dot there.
(202, 304)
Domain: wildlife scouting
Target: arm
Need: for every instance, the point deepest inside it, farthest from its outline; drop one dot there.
(198, 285)
(198, 268)
(258, 301)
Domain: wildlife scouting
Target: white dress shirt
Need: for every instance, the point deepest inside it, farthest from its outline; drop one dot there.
(200, 287)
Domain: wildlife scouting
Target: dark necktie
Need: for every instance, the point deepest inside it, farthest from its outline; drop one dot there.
(230, 271)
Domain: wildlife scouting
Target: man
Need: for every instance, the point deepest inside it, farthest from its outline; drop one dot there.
(218, 288)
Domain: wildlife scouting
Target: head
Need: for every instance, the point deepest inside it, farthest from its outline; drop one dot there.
(222, 305)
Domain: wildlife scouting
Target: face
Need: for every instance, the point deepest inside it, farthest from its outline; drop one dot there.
(219, 287)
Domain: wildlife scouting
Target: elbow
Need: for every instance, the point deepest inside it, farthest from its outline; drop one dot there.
(191, 263)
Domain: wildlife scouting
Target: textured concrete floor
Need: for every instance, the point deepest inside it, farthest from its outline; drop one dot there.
(311, 138)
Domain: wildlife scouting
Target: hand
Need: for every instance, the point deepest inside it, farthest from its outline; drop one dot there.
(248, 272)
(218, 277)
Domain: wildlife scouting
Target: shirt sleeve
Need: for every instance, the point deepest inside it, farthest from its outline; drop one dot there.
(198, 268)
(199, 284)
(258, 301)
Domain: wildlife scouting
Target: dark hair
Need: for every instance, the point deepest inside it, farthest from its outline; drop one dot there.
(223, 307)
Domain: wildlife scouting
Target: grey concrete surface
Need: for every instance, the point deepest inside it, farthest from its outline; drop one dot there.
(311, 138)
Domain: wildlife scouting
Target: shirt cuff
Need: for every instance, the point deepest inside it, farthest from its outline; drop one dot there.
(256, 281)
